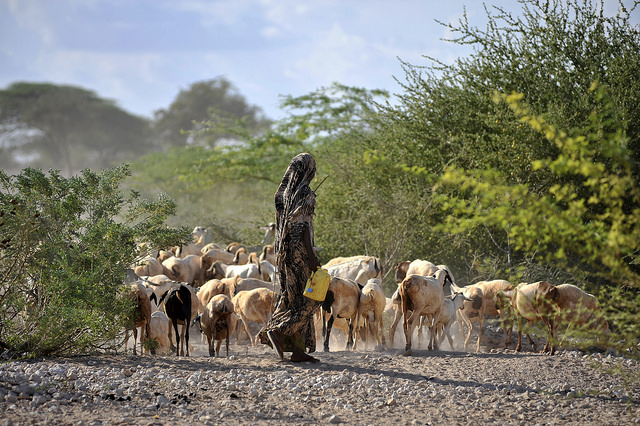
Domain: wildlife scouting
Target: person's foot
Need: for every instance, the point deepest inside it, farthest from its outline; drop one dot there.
(299, 356)
(276, 343)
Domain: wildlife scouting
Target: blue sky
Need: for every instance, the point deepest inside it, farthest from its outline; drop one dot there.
(141, 53)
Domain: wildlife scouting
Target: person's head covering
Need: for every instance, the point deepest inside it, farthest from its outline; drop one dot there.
(294, 192)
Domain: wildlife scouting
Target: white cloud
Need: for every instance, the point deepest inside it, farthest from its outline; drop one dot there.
(271, 31)
(32, 15)
(334, 57)
(227, 12)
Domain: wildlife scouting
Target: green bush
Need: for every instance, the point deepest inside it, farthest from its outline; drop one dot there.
(65, 246)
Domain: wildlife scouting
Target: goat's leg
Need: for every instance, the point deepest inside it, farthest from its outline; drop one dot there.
(504, 320)
(420, 325)
(227, 340)
(549, 346)
(480, 328)
(396, 319)
(246, 328)
(410, 324)
(211, 343)
(328, 333)
(323, 317)
(466, 341)
(186, 334)
(519, 327)
(350, 342)
(447, 332)
(126, 340)
(175, 329)
(135, 340)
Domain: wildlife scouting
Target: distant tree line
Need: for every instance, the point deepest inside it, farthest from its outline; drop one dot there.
(69, 128)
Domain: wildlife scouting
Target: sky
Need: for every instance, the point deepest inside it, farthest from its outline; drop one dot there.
(141, 53)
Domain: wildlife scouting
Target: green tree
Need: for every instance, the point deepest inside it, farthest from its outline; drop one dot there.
(589, 226)
(213, 101)
(65, 244)
(67, 128)
(552, 52)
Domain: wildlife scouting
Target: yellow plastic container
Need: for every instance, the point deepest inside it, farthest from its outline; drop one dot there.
(317, 285)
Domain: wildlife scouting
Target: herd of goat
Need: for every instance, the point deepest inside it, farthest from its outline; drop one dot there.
(229, 289)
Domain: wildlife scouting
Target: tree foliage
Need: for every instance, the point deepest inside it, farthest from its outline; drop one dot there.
(65, 246)
(212, 101)
(66, 128)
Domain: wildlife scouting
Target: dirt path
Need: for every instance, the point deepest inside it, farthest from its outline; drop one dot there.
(359, 387)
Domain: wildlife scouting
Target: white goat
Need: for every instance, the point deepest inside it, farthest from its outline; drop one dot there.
(357, 268)
(447, 316)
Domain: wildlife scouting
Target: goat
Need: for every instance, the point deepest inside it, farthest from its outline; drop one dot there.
(141, 315)
(218, 255)
(422, 296)
(483, 302)
(217, 322)
(177, 306)
(425, 269)
(201, 237)
(221, 270)
(189, 269)
(216, 286)
(536, 302)
(401, 269)
(268, 253)
(149, 268)
(357, 268)
(577, 308)
(371, 307)
(253, 305)
(447, 316)
(342, 299)
(159, 331)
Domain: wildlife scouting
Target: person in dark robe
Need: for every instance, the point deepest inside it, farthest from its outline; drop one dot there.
(291, 328)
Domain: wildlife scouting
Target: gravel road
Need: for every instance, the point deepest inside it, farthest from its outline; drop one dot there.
(362, 387)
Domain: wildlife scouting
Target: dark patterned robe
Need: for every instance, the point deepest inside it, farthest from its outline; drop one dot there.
(295, 204)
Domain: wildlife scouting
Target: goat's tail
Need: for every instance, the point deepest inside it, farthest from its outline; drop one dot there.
(404, 295)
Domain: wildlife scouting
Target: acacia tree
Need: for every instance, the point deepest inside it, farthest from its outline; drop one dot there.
(211, 101)
(67, 128)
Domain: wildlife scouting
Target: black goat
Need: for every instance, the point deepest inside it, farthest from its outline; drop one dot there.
(177, 306)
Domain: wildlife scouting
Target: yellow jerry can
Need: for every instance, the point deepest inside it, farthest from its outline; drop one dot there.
(317, 285)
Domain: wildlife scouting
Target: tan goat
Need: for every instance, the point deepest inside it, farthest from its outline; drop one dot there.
(579, 309)
(422, 296)
(536, 302)
(483, 302)
(189, 269)
(253, 305)
(217, 322)
(141, 316)
(159, 331)
(149, 268)
(371, 307)
(418, 267)
(342, 299)
(216, 286)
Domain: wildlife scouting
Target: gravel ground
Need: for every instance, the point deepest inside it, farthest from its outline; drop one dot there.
(361, 387)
